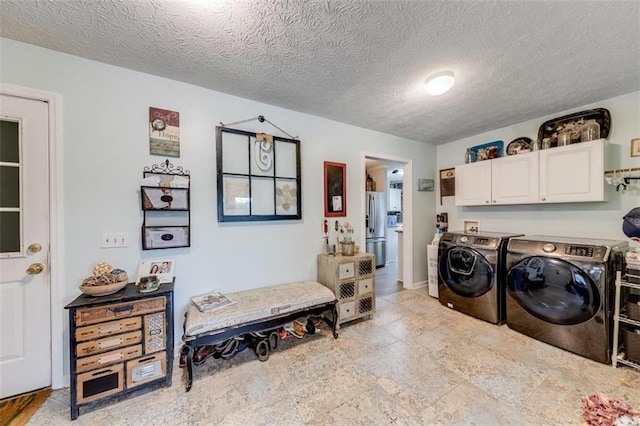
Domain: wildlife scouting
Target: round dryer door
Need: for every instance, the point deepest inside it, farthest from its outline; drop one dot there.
(553, 290)
(466, 271)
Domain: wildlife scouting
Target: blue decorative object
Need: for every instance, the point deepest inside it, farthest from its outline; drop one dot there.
(631, 224)
(488, 150)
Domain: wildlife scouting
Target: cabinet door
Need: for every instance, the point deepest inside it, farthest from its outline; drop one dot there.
(395, 200)
(572, 173)
(473, 184)
(514, 179)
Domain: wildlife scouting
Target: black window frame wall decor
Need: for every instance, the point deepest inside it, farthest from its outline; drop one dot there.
(251, 141)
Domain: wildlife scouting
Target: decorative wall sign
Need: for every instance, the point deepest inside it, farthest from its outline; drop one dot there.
(425, 184)
(335, 189)
(164, 132)
(635, 147)
(447, 183)
(258, 176)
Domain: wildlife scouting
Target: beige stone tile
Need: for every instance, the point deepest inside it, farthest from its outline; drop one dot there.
(506, 380)
(328, 392)
(271, 410)
(468, 405)
(373, 407)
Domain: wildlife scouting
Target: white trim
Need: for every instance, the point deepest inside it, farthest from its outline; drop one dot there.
(407, 210)
(56, 225)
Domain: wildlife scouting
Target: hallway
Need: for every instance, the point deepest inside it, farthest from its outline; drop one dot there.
(387, 280)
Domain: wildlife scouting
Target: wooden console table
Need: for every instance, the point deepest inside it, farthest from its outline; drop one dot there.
(120, 345)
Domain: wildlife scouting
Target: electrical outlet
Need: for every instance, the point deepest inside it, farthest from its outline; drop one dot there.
(114, 239)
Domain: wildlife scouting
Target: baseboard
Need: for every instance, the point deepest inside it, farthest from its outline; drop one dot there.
(416, 286)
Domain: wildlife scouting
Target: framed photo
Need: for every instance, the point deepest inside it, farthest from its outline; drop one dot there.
(162, 268)
(635, 147)
(425, 184)
(163, 237)
(335, 189)
(258, 176)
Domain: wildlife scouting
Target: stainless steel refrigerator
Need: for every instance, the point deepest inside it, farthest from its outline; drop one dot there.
(376, 220)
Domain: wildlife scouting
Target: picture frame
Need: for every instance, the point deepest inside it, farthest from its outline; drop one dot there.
(335, 189)
(635, 147)
(162, 268)
(258, 176)
(426, 184)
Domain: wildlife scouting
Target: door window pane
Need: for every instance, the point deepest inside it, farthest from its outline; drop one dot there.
(9, 186)
(9, 232)
(466, 272)
(553, 290)
(9, 152)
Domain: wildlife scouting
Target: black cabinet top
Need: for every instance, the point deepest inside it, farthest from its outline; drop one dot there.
(130, 292)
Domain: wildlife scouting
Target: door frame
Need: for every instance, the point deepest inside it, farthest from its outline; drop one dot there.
(407, 211)
(56, 224)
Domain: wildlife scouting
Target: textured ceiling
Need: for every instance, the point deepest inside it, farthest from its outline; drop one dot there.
(361, 62)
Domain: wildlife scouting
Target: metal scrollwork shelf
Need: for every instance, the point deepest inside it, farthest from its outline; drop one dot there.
(166, 206)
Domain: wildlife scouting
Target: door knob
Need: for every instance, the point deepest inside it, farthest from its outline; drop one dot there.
(35, 268)
(34, 248)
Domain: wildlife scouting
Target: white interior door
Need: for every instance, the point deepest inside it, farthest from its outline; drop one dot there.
(25, 317)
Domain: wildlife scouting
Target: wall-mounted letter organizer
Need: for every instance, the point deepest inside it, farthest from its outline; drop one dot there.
(165, 194)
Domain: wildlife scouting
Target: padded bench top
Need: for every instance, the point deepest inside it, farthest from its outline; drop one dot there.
(257, 304)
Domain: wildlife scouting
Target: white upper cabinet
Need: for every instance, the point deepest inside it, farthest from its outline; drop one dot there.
(514, 179)
(395, 200)
(572, 173)
(473, 184)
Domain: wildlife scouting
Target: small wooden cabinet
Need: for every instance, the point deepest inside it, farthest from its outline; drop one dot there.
(352, 279)
(565, 174)
(119, 344)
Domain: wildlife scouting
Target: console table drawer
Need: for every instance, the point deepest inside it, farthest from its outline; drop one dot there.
(93, 315)
(365, 286)
(108, 343)
(108, 328)
(346, 270)
(102, 360)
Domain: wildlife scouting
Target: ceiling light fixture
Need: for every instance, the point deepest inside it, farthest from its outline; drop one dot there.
(439, 83)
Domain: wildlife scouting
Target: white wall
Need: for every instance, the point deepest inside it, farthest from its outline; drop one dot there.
(598, 220)
(105, 142)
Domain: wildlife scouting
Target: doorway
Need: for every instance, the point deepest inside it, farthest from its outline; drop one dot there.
(389, 178)
(31, 312)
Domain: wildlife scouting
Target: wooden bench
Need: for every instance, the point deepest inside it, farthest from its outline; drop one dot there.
(253, 321)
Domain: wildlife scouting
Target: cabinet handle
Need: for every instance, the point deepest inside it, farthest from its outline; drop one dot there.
(486, 202)
(544, 199)
(494, 201)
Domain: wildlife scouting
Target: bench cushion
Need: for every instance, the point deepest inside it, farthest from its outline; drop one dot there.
(257, 304)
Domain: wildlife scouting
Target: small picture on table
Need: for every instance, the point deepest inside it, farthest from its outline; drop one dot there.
(162, 268)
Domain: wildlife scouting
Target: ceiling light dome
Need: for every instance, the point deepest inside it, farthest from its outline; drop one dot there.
(439, 83)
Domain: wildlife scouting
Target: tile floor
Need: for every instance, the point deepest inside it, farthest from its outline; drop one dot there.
(414, 363)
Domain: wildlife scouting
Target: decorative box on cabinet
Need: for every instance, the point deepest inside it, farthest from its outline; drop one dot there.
(566, 174)
(352, 279)
(120, 345)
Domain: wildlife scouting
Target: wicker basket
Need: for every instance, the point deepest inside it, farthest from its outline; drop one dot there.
(632, 345)
(633, 309)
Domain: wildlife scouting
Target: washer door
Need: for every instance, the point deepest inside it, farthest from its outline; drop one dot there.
(465, 271)
(553, 290)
